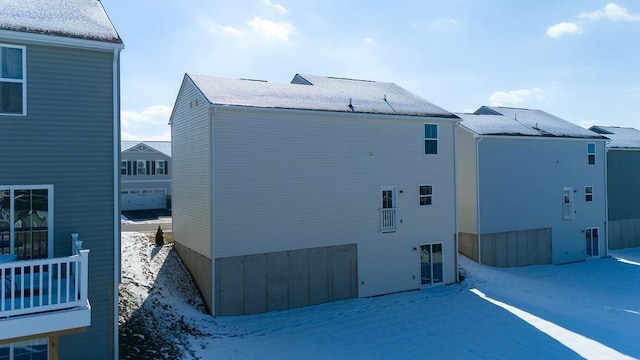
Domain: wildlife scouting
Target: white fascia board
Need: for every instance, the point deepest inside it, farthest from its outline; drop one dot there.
(50, 322)
(43, 39)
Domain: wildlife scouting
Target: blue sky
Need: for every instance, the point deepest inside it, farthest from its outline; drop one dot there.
(578, 60)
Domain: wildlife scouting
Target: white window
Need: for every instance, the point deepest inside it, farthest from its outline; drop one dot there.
(160, 167)
(430, 138)
(13, 85)
(141, 167)
(26, 221)
(588, 193)
(123, 167)
(425, 195)
(592, 242)
(35, 349)
(568, 206)
(388, 211)
(591, 153)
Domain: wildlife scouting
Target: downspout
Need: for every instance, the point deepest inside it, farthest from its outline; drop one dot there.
(116, 196)
(478, 198)
(212, 109)
(455, 199)
(606, 200)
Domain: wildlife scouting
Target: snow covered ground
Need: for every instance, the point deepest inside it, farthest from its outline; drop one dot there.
(587, 310)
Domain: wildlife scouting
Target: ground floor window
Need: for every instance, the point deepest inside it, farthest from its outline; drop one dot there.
(431, 264)
(36, 349)
(26, 220)
(592, 242)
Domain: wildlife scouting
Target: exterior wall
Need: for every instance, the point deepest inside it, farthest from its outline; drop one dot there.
(466, 156)
(286, 279)
(191, 185)
(468, 245)
(521, 183)
(623, 170)
(289, 180)
(146, 181)
(517, 248)
(67, 140)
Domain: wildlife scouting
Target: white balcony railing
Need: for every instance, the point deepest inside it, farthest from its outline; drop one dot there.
(44, 285)
(569, 211)
(388, 220)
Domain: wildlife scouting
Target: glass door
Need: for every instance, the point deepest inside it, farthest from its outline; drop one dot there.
(592, 242)
(431, 270)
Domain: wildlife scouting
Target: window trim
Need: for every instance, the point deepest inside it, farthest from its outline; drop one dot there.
(424, 133)
(123, 167)
(590, 154)
(587, 193)
(50, 213)
(22, 81)
(144, 167)
(429, 196)
(37, 341)
(158, 167)
(568, 203)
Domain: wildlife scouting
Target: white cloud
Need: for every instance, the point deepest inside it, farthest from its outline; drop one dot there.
(270, 29)
(278, 7)
(612, 12)
(564, 28)
(502, 98)
(149, 124)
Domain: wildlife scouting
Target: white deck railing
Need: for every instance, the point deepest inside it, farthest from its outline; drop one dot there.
(388, 220)
(34, 286)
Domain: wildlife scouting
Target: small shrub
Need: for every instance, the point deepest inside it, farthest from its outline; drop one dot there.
(159, 237)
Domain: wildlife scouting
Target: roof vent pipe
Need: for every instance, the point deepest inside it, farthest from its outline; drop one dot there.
(351, 106)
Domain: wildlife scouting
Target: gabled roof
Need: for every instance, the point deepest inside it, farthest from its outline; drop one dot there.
(621, 137)
(83, 19)
(489, 120)
(160, 146)
(308, 92)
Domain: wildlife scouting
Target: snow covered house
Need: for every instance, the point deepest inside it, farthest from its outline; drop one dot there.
(59, 136)
(531, 188)
(322, 189)
(623, 178)
(144, 175)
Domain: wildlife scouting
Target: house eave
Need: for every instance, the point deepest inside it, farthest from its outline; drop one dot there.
(58, 40)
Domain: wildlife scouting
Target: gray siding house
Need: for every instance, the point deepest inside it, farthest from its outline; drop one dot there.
(322, 189)
(623, 178)
(531, 188)
(144, 175)
(59, 216)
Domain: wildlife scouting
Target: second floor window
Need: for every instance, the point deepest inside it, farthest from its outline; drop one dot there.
(425, 195)
(160, 167)
(430, 138)
(141, 167)
(591, 153)
(12, 80)
(588, 193)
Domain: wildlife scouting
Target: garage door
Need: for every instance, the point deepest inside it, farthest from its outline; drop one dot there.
(143, 199)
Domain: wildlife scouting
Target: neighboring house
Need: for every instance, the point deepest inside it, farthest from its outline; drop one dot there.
(531, 188)
(59, 136)
(145, 182)
(287, 195)
(623, 178)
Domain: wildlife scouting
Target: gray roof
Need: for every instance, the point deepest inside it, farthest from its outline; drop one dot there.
(84, 19)
(308, 92)
(160, 146)
(621, 137)
(488, 120)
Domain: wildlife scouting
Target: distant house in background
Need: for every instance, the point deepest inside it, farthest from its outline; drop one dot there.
(531, 188)
(623, 170)
(59, 142)
(144, 175)
(287, 195)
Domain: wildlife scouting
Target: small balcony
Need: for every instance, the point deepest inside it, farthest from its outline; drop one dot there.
(44, 295)
(388, 220)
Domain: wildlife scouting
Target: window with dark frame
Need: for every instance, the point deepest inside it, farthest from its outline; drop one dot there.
(588, 193)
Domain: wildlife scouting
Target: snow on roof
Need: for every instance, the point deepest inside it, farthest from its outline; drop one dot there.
(84, 19)
(161, 146)
(488, 120)
(621, 137)
(308, 92)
